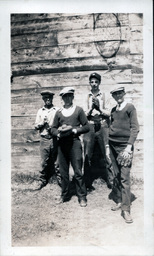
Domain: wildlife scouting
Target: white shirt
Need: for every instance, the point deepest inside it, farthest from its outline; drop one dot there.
(49, 115)
(121, 106)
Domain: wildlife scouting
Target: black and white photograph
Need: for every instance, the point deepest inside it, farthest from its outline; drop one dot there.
(76, 120)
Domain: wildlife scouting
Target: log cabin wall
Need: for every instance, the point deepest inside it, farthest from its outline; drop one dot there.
(50, 51)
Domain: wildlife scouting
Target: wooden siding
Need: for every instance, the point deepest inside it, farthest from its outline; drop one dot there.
(50, 51)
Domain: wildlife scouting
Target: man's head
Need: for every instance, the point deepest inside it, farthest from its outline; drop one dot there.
(67, 95)
(118, 94)
(94, 81)
(47, 97)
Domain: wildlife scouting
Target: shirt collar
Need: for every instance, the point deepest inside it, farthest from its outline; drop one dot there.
(98, 94)
(122, 105)
(44, 108)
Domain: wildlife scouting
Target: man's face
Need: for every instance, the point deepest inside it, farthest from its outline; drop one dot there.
(119, 96)
(48, 100)
(94, 83)
(68, 99)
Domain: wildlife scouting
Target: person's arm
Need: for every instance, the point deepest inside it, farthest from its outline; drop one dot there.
(103, 107)
(90, 106)
(39, 122)
(84, 123)
(134, 126)
(134, 129)
(55, 125)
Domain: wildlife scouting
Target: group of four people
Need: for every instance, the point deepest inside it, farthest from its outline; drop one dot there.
(115, 131)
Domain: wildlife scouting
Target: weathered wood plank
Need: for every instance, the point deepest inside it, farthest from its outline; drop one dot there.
(32, 96)
(17, 18)
(61, 51)
(136, 19)
(26, 122)
(52, 24)
(136, 33)
(74, 22)
(24, 135)
(35, 16)
(68, 79)
(34, 40)
(90, 35)
(136, 40)
(27, 149)
(136, 47)
(66, 65)
(137, 78)
(55, 38)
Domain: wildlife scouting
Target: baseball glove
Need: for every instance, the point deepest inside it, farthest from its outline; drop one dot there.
(125, 161)
(65, 130)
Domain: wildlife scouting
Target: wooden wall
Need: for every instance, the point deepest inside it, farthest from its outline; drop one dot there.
(50, 51)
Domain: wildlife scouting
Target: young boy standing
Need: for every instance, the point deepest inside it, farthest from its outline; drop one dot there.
(69, 123)
(123, 132)
(97, 116)
(48, 147)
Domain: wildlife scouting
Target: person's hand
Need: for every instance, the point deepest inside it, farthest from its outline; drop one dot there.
(107, 152)
(127, 151)
(96, 103)
(74, 131)
(45, 120)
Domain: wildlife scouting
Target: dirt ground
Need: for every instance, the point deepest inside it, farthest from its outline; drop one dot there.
(37, 219)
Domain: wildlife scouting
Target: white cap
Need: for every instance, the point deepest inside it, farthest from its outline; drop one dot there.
(118, 89)
(66, 90)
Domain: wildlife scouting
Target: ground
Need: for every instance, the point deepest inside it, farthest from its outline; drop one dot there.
(37, 219)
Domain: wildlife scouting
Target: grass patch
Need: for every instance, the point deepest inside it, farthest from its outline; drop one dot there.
(24, 178)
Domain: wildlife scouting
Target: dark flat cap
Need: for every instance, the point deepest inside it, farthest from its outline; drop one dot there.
(46, 92)
(118, 89)
(95, 75)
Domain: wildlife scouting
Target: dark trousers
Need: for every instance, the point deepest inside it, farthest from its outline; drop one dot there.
(99, 134)
(121, 189)
(70, 151)
(48, 151)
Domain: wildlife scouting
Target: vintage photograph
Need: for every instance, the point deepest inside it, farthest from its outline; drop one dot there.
(77, 129)
(77, 134)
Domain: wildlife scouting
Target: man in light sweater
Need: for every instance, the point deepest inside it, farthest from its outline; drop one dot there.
(123, 132)
(69, 123)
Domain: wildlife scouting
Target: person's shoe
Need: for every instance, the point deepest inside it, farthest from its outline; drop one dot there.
(83, 203)
(126, 215)
(62, 200)
(39, 185)
(117, 207)
(110, 185)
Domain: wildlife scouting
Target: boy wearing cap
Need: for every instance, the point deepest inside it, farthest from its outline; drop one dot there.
(69, 123)
(48, 147)
(97, 116)
(123, 132)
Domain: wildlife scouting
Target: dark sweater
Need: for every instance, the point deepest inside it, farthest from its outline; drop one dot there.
(77, 120)
(124, 125)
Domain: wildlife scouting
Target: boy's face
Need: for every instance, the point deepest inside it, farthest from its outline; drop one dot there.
(119, 96)
(94, 83)
(47, 100)
(68, 99)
